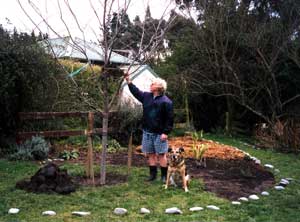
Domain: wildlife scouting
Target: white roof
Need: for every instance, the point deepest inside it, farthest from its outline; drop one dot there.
(80, 49)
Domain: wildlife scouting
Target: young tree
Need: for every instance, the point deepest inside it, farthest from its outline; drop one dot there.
(111, 23)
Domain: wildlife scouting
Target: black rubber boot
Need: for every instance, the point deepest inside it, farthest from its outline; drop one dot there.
(163, 171)
(153, 173)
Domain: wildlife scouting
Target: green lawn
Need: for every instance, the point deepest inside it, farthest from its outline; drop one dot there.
(101, 201)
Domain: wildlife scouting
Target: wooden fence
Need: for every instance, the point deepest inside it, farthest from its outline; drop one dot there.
(89, 131)
(23, 116)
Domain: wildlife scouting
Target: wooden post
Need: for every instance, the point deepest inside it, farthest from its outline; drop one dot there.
(129, 153)
(227, 122)
(90, 162)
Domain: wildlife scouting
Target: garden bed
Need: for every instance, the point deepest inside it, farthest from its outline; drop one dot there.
(227, 173)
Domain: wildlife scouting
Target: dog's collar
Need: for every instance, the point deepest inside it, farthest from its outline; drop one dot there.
(179, 164)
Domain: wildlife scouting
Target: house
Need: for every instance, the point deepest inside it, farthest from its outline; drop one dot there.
(82, 51)
(141, 76)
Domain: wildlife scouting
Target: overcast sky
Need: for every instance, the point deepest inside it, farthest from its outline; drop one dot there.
(11, 14)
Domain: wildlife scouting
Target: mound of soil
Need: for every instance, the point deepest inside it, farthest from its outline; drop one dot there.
(48, 179)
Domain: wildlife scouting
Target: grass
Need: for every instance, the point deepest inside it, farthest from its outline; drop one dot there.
(101, 201)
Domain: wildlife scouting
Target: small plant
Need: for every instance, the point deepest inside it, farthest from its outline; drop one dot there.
(195, 137)
(67, 155)
(201, 135)
(199, 151)
(35, 149)
(112, 147)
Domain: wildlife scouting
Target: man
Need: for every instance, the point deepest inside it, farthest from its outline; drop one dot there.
(157, 124)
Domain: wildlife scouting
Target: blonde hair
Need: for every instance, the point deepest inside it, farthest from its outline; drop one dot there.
(161, 83)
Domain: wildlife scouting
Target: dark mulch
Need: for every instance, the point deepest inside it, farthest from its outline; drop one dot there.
(230, 179)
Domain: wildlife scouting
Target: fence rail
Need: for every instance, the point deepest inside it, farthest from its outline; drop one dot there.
(54, 115)
(23, 116)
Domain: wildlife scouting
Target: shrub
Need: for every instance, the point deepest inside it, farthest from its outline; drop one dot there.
(127, 121)
(35, 149)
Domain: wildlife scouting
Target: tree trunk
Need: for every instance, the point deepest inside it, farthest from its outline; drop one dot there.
(104, 131)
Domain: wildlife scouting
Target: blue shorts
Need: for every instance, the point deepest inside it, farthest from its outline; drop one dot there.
(152, 143)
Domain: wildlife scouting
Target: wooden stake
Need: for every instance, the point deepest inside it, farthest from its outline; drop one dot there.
(129, 154)
(90, 157)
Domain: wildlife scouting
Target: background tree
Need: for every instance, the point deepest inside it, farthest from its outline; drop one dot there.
(237, 61)
(27, 79)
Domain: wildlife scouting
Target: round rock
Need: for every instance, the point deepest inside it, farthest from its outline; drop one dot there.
(81, 213)
(120, 211)
(269, 166)
(49, 213)
(265, 193)
(243, 198)
(279, 188)
(173, 210)
(253, 197)
(13, 210)
(284, 181)
(212, 207)
(144, 211)
(236, 203)
(193, 209)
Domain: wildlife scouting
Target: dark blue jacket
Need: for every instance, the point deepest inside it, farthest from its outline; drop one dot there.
(157, 112)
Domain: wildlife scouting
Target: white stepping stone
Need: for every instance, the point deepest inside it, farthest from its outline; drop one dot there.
(193, 209)
(144, 211)
(269, 166)
(49, 213)
(13, 210)
(265, 193)
(236, 203)
(279, 188)
(173, 210)
(81, 213)
(284, 181)
(257, 161)
(212, 207)
(120, 211)
(289, 179)
(243, 199)
(277, 171)
(253, 197)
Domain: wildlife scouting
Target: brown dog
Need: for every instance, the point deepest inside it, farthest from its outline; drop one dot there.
(176, 166)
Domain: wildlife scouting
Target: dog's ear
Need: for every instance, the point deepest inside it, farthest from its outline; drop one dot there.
(181, 150)
(169, 149)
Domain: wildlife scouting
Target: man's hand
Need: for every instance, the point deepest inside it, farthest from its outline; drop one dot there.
(163, 137)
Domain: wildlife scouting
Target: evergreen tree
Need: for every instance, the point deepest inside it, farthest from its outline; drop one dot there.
(27, 79)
